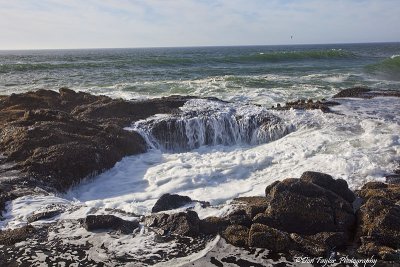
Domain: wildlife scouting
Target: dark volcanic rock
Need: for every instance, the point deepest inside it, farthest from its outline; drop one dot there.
(182, 223)
(213, 225)
(311, 215)
(254, 205)
(10, 237)
(263, 236)
(338, 186)
(43, 215)
(308, 245)
(362, 92)
(307, 105)
(170, 202)
(354, 92)
(56, 139)
(378, 229)
(58, 150)
(240, 217)
(237, 235)
(103, 222)
(299, 206)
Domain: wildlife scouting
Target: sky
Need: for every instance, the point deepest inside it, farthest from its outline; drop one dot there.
(54, 24)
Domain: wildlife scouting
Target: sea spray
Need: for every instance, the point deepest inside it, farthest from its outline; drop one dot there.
(204, 122)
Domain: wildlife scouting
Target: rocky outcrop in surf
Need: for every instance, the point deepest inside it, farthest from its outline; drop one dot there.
(53, 140)
(363, 92)
(309, 104)
(378, 229)
(314, 215)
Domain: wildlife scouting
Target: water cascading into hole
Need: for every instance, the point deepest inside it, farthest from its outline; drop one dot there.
(204, 122)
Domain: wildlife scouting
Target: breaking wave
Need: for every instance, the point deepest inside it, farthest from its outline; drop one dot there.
(388, 68)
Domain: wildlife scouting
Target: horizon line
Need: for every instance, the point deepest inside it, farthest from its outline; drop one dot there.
(195, 46)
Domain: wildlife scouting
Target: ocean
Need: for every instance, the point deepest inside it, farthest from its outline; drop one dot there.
(358, 142)
(255, 74)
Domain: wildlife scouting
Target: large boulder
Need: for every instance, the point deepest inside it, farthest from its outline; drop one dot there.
(263, 236)
(378, 229)
(253, 205)
(213, 225)
(105, 222)
(338, 186)
(181, 223)
(170, 202)
(311, 215)
(303, 207)
(237, 235)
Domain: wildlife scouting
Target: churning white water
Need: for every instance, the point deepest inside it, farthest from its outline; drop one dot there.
(210, 123)
(223, 159)
(218, 151)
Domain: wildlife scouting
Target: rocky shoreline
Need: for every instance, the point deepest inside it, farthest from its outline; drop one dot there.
(51, 141)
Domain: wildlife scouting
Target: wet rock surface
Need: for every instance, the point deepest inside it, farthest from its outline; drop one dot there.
(44, 133)
(181, 223)
(363, 92)
(48, 246)
(310, 215)
(303, 207)
(43, 215)
(106, 222)
(53, 140)
(378, 230)
(309, 104)
(314, 216)
(10, 237)
(173, 201)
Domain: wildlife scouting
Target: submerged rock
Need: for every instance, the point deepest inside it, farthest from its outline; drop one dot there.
(104, 222)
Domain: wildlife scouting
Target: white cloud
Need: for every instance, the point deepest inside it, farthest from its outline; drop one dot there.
(137, 23)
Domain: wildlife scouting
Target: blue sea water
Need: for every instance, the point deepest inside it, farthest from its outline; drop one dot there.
(257, 74)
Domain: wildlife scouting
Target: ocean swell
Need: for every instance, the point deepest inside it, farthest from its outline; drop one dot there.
(387, 69)
(280, 56)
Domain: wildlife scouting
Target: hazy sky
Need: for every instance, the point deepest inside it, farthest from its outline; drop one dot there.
(27, 24)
